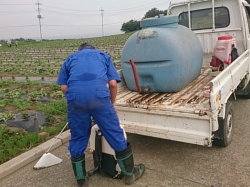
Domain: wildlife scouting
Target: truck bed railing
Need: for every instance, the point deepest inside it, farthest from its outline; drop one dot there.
(224, 84)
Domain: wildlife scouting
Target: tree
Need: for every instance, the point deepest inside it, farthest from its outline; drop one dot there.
(154, 12)
(134, 25)
(130, 26)
(248, 1)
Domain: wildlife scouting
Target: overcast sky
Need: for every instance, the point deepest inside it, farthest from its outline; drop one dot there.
(70, 18)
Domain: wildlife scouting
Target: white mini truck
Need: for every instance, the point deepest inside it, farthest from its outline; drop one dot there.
(201, 113)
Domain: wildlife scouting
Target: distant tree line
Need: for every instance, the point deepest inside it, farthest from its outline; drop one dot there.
(134, 25)
(15, 39)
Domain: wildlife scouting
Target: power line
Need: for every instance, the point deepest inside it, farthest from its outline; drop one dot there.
(86, 14)
(21, 12)
(139, 7)
(70, 9)
(119, 10)
(16, 4)
(81, 13)
(92, 11)
(48, 25)
(68, 14)
(6, 27)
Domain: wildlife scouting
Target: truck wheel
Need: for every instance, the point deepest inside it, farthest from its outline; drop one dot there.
(226, 126)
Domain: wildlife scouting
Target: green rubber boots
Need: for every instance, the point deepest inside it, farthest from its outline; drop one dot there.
(78, 165)
(126, 163)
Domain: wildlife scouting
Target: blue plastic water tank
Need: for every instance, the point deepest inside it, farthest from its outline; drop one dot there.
(167, 56)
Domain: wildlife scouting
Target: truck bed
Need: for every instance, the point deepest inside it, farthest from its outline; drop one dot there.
(182, 116)
(189, 100)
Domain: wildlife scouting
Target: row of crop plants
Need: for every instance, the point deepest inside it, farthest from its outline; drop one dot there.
(22, 98)
(41, 60)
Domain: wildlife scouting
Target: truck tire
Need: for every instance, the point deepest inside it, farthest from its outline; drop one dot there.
(226, 127)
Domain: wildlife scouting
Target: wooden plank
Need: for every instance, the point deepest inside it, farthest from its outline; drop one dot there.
(189, 98)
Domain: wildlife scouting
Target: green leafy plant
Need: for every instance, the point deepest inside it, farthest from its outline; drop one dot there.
(57, 95)
(25, 116)
(36, 95)
(5, 83)
(49, 119)
(55, 107)
(3, 102)
(21, 104)
(16, 93)
(4, 90)
(5, 116)
(54, 87)
(55, 129)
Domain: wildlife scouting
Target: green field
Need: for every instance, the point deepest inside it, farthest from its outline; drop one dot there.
(23, 88)
(33, 58)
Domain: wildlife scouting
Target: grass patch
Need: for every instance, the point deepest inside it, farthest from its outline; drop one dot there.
(15, 141)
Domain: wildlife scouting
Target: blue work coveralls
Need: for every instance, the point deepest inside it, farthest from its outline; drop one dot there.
(87, 73)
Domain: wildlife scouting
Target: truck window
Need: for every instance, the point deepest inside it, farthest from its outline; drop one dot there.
(202, 19)
(247, 8)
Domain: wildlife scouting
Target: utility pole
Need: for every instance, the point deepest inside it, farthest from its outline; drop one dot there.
(102, 19)
(39, 18)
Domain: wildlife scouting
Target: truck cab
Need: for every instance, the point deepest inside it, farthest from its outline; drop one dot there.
(213, 18)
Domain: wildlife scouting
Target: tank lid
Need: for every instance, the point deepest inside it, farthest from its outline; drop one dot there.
(226, 37)
(160, 20)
